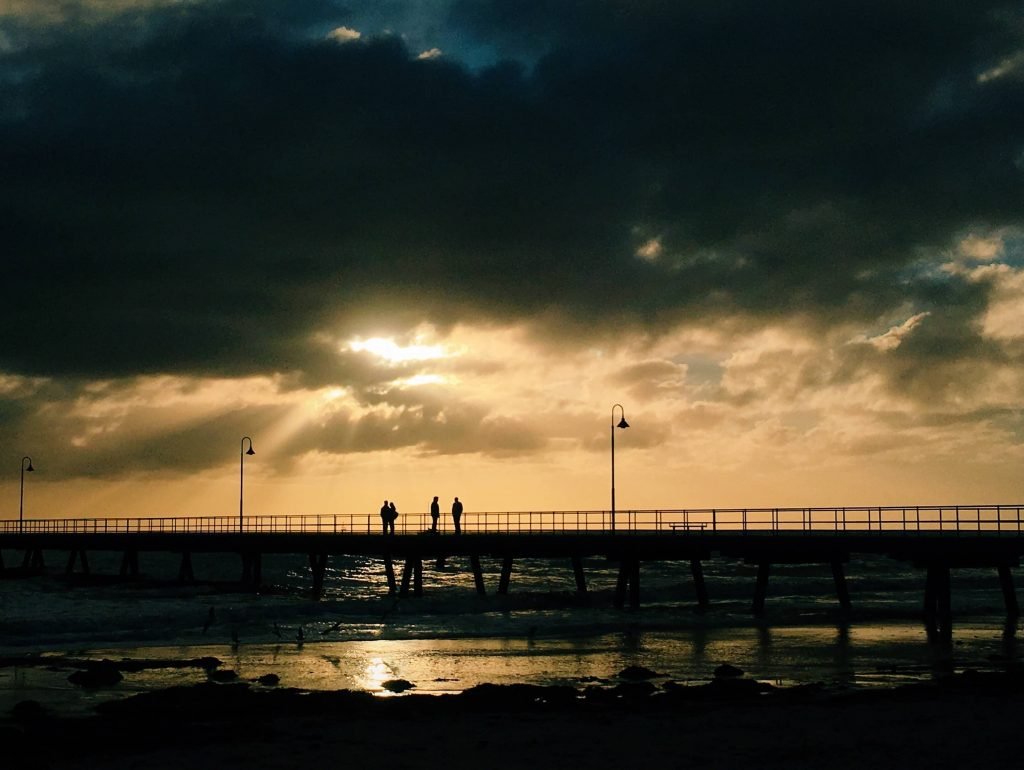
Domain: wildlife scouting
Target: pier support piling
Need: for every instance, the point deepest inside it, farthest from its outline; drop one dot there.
(185, 574)
(761, 589)
(634, 584)
(77, 554)
(841, 591)
(929, 597)
(506, 575)
(1009, 593)
(478, 575)
(945, 602)
(577, 571)
(389, 573)
(697, 569)
(129, 564)
(33, 559)
(417, 577)
(252, 569)
(406, 578)
(938, 615)
(318, 566)
(620, 584)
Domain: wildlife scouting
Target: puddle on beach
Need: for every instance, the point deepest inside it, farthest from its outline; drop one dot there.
(872, 655)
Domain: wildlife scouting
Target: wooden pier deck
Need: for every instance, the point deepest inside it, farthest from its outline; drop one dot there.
(935, 539)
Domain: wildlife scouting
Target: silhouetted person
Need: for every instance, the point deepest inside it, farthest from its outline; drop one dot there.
(435, 514)
(457, 515)
(385, 517)
(393, 516)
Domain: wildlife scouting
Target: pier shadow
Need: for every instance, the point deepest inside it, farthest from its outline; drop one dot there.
(764, 645)
(1008, 640)
(632, 638)
(842, 658)
(700, 645)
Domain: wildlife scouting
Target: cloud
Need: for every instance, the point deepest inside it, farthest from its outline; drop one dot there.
(648, 379)
(981, 248)
(689, 207)
(343, 35)
(233, 190)
(649, 250)
(1003, 320)
(1011, 66)
(891, 339)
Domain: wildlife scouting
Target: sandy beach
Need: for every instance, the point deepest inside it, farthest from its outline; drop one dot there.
(962, 720)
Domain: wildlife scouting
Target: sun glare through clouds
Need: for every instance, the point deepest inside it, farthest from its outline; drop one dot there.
(454, 255)
(392, 352)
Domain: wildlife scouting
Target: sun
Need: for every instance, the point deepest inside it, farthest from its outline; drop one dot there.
(392, 352)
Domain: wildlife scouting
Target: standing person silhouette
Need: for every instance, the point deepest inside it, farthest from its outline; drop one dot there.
(392, 516)
(435, 514)
(457, 515)
(385, 517)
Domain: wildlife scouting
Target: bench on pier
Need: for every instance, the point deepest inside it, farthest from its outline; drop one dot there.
(687, 524)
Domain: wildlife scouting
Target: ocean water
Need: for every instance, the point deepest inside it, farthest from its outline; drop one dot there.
(359, 637)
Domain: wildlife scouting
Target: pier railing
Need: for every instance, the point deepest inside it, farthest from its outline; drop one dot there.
(949, 519)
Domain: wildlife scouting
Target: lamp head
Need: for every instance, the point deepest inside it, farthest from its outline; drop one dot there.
(30, 468)
(622, 423)
(250, 450)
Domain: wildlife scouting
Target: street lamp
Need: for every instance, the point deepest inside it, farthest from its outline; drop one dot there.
(621, 424)
(241, 475)
(21, 504)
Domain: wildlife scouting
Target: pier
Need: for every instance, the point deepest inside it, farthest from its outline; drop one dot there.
(934, 539)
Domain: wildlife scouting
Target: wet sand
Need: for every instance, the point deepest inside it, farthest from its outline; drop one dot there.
(963, 720)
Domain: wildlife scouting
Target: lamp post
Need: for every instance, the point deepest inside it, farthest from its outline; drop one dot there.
(241, 475)
(21, 503)
(621, 424)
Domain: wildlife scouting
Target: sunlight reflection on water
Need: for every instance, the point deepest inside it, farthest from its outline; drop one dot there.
(359, 637)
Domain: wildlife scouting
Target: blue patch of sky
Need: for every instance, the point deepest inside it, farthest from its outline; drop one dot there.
(1014, 251)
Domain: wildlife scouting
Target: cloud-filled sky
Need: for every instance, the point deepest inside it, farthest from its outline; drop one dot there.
(421, 247)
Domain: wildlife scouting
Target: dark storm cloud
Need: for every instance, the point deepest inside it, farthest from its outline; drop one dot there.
(203, 189)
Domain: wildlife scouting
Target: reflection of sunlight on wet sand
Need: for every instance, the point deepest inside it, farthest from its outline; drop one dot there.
(374, 675)
(867, 655)
(890, 633)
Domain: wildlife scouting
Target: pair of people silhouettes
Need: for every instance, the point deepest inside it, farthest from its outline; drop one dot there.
(388, 515)
(435, 514)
